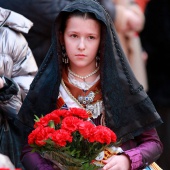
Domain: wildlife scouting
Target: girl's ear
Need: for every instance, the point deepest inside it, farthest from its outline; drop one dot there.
(61, 38)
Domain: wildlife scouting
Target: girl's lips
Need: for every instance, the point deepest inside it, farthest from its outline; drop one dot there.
(80, 55)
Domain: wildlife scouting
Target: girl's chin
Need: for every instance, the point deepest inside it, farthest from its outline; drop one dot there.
(79, 65)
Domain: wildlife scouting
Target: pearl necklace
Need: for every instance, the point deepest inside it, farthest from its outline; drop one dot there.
(83, 77)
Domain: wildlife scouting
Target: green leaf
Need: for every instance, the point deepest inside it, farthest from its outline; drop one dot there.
(36, 118)
(51, 124)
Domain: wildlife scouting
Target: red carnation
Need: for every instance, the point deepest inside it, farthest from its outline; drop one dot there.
(70, 123)
(33, 134)
(44, 121)
(60, 137)
(102, 134)
(85, 128)
(60, 113)
(81, 113)
(44, 134)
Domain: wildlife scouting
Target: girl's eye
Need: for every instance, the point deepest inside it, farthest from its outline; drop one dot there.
(74, 36)
(91, 37)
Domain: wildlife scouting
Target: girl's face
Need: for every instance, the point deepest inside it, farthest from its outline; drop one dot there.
(81, 40)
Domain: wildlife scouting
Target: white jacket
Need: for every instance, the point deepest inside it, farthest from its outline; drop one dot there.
(17, 62)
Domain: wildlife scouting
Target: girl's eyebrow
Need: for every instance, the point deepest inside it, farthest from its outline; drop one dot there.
(77, 32)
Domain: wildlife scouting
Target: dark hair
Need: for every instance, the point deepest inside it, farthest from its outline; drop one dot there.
(84, 15)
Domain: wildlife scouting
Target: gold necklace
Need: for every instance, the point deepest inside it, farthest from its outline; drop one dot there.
(69, 93)
(83, 77)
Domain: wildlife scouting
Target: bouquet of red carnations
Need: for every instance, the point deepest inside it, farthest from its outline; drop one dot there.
(70, 140)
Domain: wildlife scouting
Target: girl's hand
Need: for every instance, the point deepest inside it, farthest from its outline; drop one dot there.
(117, 162)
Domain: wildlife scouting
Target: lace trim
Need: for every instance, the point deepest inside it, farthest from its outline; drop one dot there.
(81, 85)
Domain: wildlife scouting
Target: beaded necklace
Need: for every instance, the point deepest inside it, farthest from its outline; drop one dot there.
(83, 77)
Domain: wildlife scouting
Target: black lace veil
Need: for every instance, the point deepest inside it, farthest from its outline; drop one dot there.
(128, 109)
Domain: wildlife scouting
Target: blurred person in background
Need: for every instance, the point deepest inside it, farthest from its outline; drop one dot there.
(17, 70)
(129, 21)
(5, 163)
(142, 4)
(155, 39)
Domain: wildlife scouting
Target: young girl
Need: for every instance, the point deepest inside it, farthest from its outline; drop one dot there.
(85, 67)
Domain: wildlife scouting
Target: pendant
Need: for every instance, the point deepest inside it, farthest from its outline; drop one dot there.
(94, 108)
(86, 99)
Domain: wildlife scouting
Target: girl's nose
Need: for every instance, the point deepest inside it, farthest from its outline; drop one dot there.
(81, 45)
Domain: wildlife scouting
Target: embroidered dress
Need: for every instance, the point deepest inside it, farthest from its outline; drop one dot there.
(74, 95)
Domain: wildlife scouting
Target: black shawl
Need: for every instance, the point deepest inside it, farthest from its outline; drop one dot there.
(128, 109)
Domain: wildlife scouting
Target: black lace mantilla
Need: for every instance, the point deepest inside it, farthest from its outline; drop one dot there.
(128, 109)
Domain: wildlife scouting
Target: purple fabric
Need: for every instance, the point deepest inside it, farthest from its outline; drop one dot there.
(142, 151)
(33, 161)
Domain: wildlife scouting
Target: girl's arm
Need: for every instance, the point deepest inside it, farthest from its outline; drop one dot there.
(148, 150)
(33, 161)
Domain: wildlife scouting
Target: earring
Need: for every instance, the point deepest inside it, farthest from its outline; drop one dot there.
(97, 59)
(64, 55)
